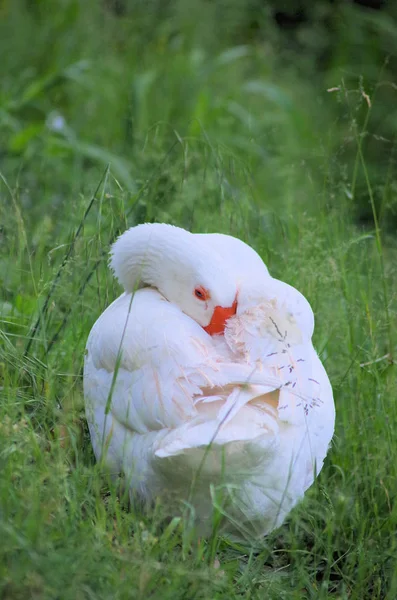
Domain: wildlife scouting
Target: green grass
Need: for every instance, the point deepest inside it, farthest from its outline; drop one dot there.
(161, 118)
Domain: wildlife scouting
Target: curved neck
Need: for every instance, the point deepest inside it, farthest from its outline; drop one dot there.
(178, 264)
(148, 253)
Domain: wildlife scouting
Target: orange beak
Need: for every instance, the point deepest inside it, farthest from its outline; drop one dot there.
(219, 318)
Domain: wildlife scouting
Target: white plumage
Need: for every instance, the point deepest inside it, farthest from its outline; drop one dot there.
(245, 414)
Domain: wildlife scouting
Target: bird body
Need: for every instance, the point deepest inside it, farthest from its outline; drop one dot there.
(211, 399)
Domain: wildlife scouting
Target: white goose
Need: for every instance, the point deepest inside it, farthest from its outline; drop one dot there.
(204, 382)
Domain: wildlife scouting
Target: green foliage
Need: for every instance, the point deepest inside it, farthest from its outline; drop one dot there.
(205, 115)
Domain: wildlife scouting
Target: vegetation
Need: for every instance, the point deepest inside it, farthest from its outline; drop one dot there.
(209, 116)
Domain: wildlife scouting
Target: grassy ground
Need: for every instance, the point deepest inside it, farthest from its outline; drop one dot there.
(204, 130)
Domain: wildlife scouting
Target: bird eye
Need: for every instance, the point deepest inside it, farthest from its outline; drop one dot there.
(201, 293)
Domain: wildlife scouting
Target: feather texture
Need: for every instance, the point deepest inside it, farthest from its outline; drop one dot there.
(248, 416)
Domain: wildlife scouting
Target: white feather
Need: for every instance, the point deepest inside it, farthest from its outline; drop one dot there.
(184, 414)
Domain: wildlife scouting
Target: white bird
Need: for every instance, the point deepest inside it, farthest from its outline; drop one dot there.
(201, 382)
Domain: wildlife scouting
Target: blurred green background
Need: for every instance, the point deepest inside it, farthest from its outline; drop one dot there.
(86, 84)
(273, 121)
